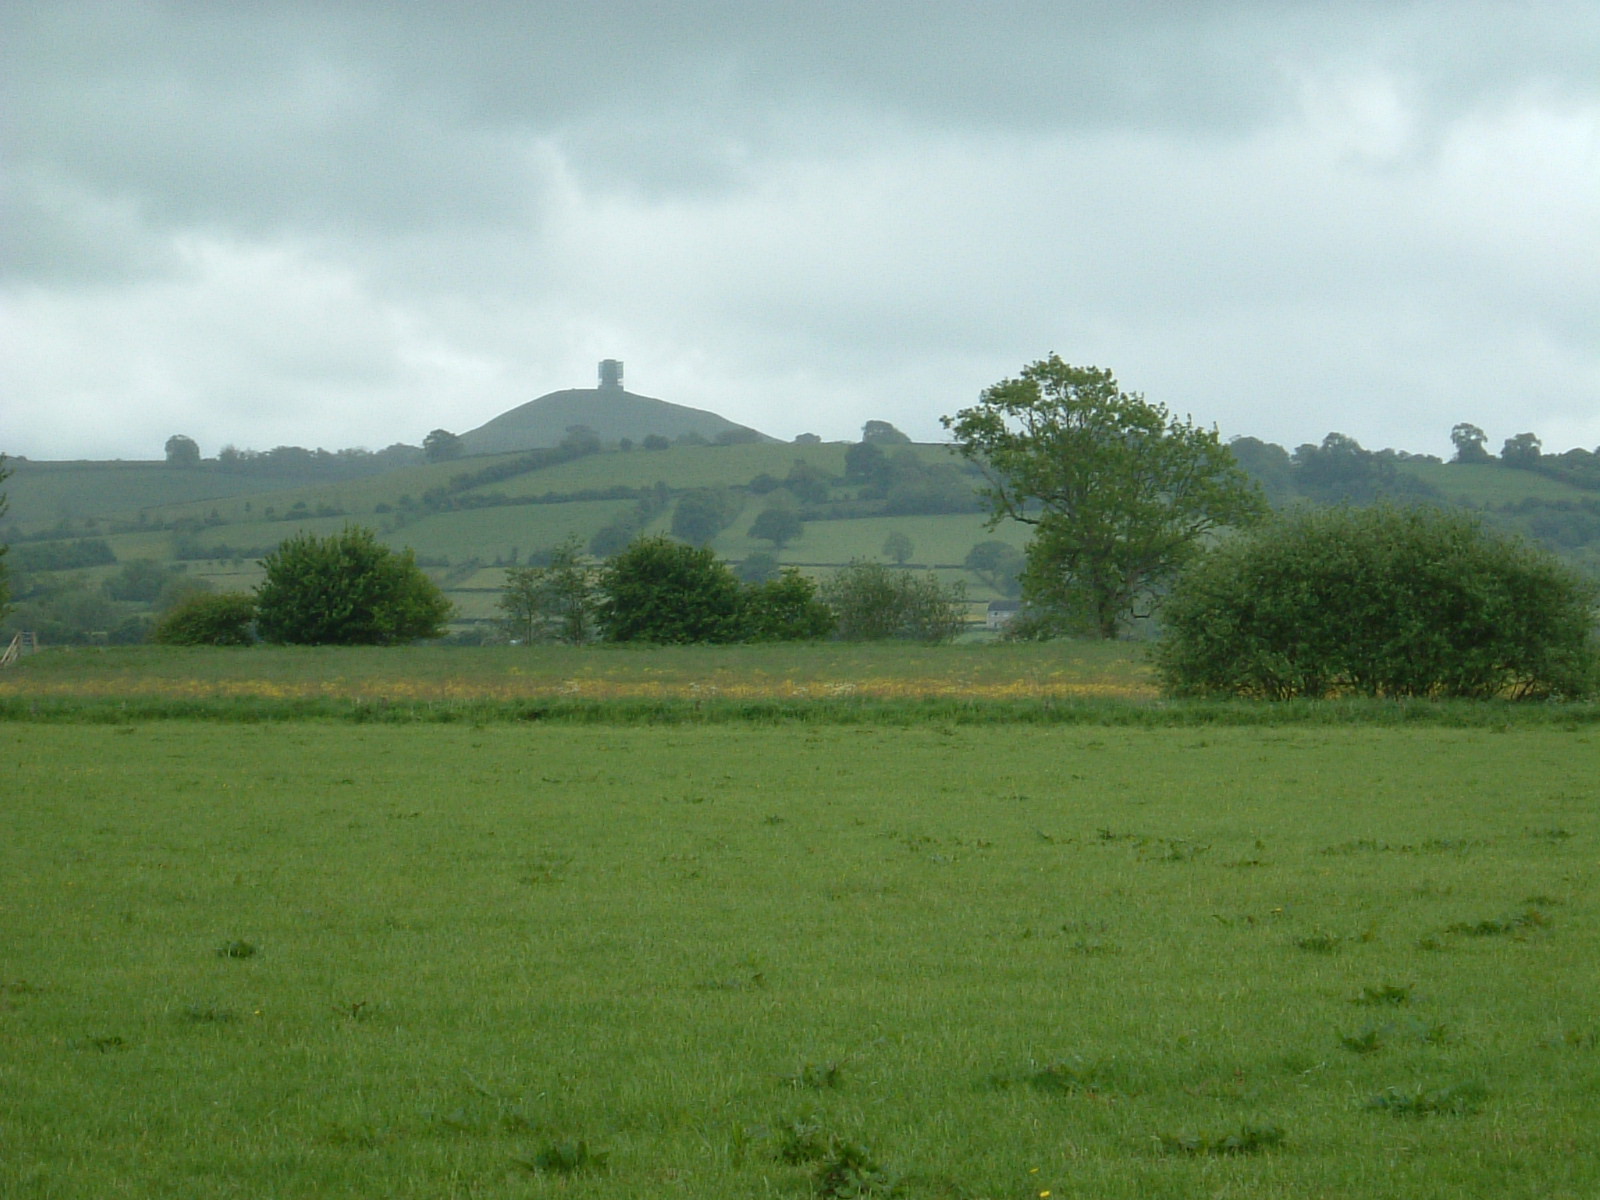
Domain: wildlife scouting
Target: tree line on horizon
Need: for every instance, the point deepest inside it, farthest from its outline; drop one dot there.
(350, 589)
(1132, 511)
(1129, 507)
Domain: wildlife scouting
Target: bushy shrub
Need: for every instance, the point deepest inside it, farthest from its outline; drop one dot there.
(1378, 601)
(554, 602)
(785, 609)
(208, 619)
(349, 590)
(875, 602)
(662, 590)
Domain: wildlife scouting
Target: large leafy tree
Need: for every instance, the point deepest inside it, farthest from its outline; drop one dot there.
(779, 525)
(347, 589)
(442, 446)
(999, 564)
(1523, 451)
(883, 433)
(1120, 493)
(182, 451)
(899, 546)
(703, 513)
(1379, 601)
(555, 602)
(662, 590)
(785, 609)
(1468, 441)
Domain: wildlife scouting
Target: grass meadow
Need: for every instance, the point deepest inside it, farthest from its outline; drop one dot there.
(423, 676)
(314, 958)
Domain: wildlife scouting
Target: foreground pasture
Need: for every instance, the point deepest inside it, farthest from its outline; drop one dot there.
(312, 960)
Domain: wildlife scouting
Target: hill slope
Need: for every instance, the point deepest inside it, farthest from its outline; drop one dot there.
(611, 412)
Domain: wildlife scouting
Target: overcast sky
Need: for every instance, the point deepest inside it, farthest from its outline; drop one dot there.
(348, 223)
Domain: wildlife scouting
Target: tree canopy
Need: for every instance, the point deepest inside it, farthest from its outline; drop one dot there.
(783, 609)
(702, 513)
(1522, 451)
(1379, 601)
(899, 546)
(182, 451)
(347, 589)
(443, 446)
(1468, 440)
(883, 433)
(555, 602)
(662, 590)
(999, 564)
(876, 602)
(779, 525)
(1120, 493)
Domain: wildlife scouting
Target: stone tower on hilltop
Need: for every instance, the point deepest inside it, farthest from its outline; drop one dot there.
(611, 375)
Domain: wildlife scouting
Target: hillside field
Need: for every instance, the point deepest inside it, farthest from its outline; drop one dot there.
(305, 959)
(469, 518)
(213, 526)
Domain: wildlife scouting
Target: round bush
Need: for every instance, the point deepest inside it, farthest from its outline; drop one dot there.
(347, 590)
(1378, 601)
(663, 590)
(208, 619)
(874, 602)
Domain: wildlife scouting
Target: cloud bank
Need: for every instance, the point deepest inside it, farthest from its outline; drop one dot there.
(347, 224)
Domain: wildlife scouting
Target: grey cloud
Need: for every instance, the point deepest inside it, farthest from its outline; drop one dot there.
(362, 213)
(58, 234)
(252, 110)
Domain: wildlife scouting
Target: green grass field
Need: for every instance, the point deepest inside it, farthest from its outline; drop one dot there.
(42, 494)
(312, 959)
(245, 498)
(677, 467)
(1488, 485)
(493, 533)
(944, 539)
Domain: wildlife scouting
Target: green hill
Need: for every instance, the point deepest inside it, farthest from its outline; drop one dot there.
(466, 519)
(75, 527)
(44, 494)
(611, 412)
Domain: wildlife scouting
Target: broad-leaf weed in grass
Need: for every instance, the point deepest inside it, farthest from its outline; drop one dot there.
(564, 1158)
(1247, 1139)
(1457, 1099)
